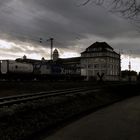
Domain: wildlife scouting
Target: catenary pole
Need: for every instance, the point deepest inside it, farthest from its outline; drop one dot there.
(51, 49)
(51, 39)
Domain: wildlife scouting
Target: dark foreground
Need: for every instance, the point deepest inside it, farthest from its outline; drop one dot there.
(36, 119)
(121, 121)
(8, 88)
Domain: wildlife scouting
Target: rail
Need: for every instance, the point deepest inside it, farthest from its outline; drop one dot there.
(17, 99)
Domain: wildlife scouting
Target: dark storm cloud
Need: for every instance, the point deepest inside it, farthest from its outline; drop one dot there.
(66, 21)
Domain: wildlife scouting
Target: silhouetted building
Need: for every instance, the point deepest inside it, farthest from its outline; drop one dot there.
(24, 57)
(55, 55)
(127, 75)
(100, 59)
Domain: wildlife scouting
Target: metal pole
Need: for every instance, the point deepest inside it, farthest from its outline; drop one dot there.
(51, 39)
(51, 53)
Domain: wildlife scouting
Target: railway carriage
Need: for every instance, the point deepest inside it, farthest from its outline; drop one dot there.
(17, 70)
(12, 70)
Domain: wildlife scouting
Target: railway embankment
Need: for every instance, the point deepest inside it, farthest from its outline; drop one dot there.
(30, 119)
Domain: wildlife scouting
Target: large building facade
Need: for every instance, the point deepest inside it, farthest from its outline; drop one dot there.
(100, 60)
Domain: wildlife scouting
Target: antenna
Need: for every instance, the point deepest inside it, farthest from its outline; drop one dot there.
(129, 65)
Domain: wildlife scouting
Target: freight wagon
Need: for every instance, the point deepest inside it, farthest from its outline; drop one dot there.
(14, 70)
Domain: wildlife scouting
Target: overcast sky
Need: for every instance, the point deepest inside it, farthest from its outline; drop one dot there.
(73, 27)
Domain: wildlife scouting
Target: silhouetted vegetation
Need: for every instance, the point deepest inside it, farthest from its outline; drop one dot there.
(128, 8)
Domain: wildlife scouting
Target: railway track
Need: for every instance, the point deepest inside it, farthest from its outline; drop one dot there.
(17, 99)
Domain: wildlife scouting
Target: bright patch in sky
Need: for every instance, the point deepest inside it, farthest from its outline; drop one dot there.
(135, 63)
(5, 45)
(69, 54)
(34, 56)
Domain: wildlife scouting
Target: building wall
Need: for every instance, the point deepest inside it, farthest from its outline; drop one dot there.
(101, 62)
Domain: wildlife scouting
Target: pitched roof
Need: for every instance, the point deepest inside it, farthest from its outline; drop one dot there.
(102, 45)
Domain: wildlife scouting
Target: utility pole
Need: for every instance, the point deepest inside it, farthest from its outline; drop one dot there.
(51, 39)
(51, 51)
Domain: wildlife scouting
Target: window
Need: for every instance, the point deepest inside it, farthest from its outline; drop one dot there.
(90, 61)
(90, 72)
(103, 66)
(90, 66)
(96, 66)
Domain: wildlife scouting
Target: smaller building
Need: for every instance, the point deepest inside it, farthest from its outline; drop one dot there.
(127, 75)
(70, 66)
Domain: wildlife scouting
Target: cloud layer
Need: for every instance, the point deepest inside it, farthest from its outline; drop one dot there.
(72, 26)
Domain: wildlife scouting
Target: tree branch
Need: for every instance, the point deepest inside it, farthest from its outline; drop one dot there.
(128, 8)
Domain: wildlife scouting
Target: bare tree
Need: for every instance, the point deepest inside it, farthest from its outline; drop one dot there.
(128, 8)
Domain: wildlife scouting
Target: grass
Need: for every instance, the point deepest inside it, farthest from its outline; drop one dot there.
(28, 119)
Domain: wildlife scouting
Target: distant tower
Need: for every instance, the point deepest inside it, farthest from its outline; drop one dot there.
(129, 66)
(43, 59)
(24, 57)
(55, 55)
